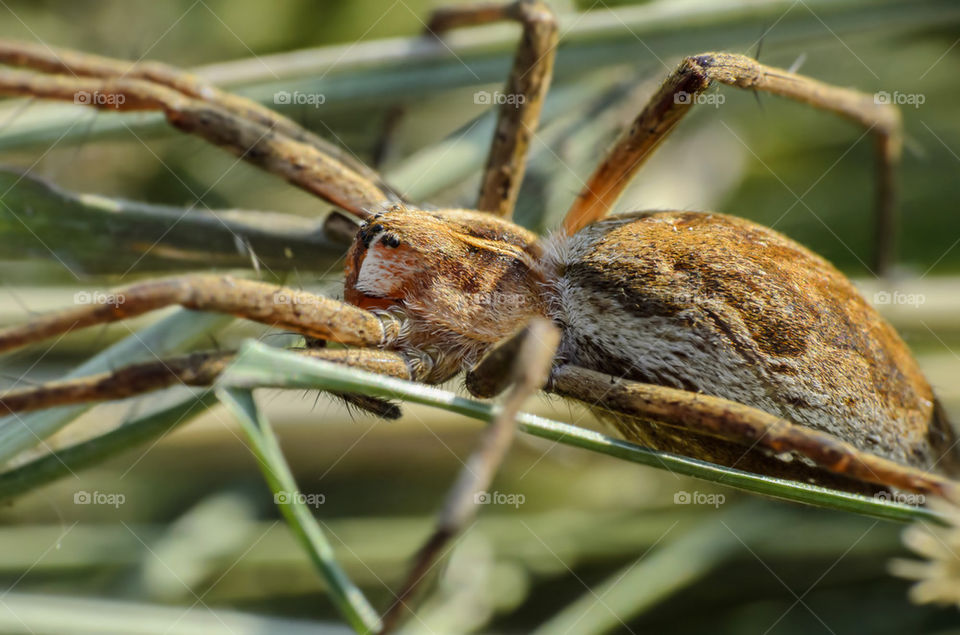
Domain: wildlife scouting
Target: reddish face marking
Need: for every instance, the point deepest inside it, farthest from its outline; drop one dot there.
(382, 274)
(399, 254)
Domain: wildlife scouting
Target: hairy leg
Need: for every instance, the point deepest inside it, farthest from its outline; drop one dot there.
(528, 373)
(523, 95)
(749, 427)
(61, 61)
(257, 138)
(195, 369)
(679, 93)
(305, 313)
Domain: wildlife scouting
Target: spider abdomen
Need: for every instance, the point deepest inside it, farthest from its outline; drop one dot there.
(720, 305)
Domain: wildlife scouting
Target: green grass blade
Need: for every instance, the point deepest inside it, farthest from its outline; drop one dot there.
(656, 576)
(74, 458)
(260, 365)
(52, 613)
(172, 334)
(95, 234)
(348, 598)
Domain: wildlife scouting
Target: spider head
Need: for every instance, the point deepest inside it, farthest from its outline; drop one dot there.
(462, 271)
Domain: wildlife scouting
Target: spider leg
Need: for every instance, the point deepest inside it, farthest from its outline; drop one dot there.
(523, 95)
(237, 127)
(195, 369)
(493, 373)
(46, 59)
(529, 373)
(680, 92)
(730, 421)
(311, 315)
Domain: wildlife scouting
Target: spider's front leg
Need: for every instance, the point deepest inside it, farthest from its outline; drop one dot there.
(523, 95)
(679, 93)
(311, 315)
(196, 369)
(238, 125)
(749, 428)
(47, 59)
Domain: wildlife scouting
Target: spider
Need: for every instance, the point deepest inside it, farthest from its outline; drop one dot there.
(695, 333)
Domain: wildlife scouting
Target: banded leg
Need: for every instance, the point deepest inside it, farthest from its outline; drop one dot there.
(529, 373)
(678, 94)
(282, 307)
(196, 369)
(260, 140)
(749, 427)
(524, 92)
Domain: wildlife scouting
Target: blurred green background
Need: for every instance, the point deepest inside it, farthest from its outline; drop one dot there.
(197, 529)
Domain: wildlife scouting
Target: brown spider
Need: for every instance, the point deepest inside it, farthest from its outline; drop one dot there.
(695, 333)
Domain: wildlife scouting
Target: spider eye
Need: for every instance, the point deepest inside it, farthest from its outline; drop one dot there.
(368, 232)
(390, 240)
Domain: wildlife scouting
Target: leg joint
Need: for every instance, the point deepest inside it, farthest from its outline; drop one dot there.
(534, 13)
(726, 68)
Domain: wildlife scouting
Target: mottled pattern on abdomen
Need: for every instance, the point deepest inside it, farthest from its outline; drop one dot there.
(720, 305)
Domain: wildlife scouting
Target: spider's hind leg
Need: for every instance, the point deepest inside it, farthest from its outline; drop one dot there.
(735, 423)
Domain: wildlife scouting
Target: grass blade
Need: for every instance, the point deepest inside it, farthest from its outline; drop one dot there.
(348, 598)
(260, 365)
(172, 334)
(655, 577)
(139, 431)
(49, 613)
(96, 234)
